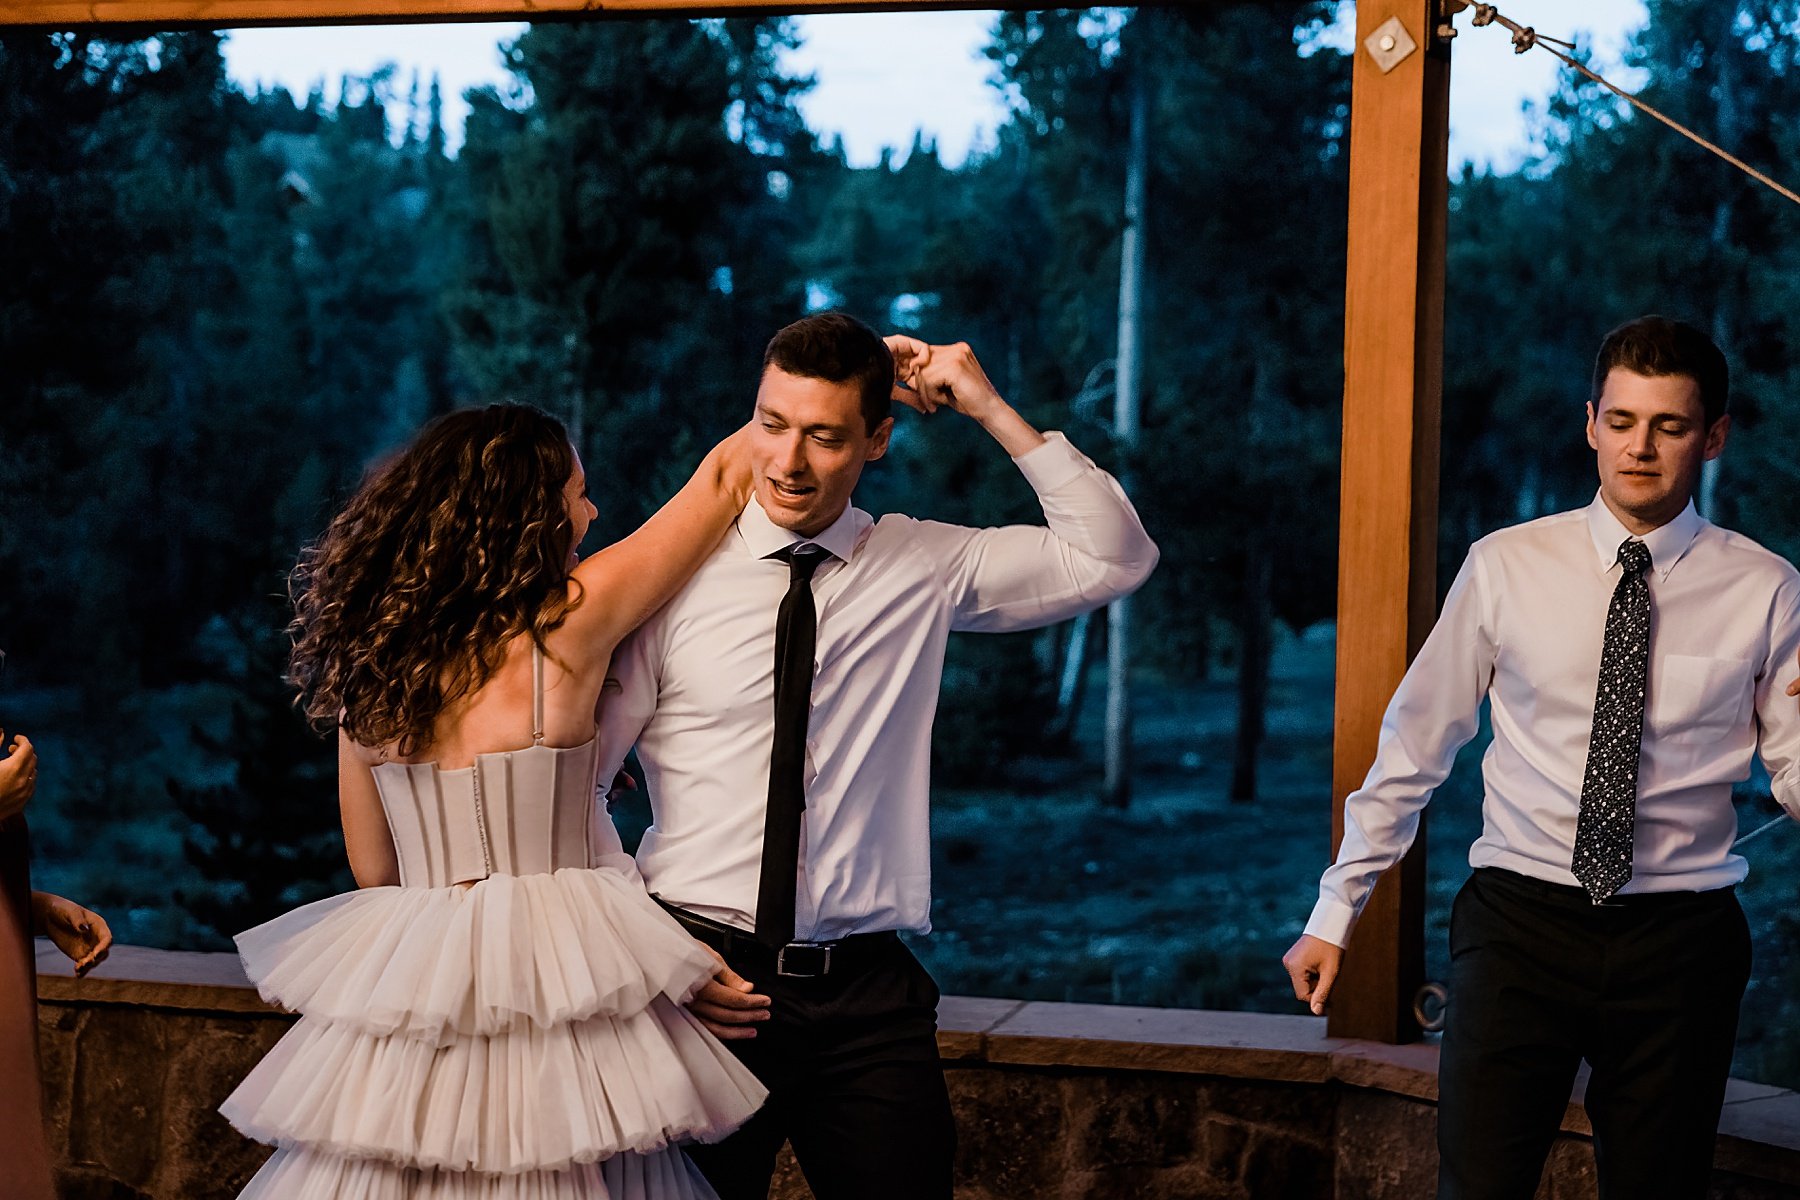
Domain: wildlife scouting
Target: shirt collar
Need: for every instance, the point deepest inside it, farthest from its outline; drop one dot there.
(1666, 543)
(763, 537)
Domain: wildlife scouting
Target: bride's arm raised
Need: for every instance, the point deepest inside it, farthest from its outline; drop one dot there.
(632, 578)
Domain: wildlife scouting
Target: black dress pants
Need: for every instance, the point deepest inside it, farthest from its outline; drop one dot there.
(855, 1082)
(1541, 978)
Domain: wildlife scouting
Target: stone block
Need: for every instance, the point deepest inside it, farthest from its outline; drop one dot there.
(115, 1116)
(1149, 1183)
(1737, 1187)
(1299, 1110)
(1134, 1120)
(1405, 1070)
(57, 1026)
(1759, 1133)
(89, 1183)
(1569, 1171)
(1222, 1146)
(1012, 1130)
(1385, 1147)
(1280, 1167)
(788, 1183)
(207, 1159)
(1113, 1037)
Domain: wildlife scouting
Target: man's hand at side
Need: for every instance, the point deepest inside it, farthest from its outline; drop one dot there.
(729, 1004)
(1312, 964)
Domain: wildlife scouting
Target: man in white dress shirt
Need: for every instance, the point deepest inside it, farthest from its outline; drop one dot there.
(1633, 656)
(791, 798)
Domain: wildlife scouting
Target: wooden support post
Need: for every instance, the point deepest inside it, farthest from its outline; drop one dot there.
(1393, 384)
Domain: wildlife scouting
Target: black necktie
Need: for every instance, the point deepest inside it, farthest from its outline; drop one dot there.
(1608, 817)
(796, 630)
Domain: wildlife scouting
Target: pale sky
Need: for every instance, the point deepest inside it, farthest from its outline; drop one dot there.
(881, 76)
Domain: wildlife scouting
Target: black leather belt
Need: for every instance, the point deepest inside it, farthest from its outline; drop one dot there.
(1575, 897)
(796, 960)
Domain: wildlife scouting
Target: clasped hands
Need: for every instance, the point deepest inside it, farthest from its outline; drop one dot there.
(929, 377)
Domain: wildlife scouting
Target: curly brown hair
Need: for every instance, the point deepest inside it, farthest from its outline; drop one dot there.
(450, 547)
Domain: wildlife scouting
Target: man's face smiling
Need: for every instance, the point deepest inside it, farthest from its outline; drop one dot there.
(1651, 439)
(808, 449)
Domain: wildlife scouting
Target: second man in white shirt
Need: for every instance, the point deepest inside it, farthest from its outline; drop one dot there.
(1633, 655)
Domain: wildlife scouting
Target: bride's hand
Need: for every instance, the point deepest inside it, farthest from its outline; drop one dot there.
(79, 933)
(622, 782)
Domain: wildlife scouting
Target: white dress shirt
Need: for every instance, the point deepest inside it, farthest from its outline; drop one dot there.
(694, 689)
(1523, 625)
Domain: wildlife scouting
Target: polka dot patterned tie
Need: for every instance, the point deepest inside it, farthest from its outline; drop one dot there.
(1609, 787)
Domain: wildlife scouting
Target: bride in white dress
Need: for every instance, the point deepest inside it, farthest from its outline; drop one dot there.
(497, 1010)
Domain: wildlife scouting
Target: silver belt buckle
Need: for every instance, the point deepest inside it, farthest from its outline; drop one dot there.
(812, 959)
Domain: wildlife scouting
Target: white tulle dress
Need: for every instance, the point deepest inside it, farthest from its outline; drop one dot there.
(521, 1038)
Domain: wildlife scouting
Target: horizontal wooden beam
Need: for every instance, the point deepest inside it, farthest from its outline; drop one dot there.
(151, 15)
(163, 14)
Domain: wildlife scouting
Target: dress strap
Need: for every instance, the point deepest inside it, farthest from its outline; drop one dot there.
(537, 693)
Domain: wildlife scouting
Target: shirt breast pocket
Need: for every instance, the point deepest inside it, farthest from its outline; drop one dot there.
(1695, 699)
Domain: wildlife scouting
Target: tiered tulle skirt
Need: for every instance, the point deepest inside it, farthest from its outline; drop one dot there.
(522, 1038)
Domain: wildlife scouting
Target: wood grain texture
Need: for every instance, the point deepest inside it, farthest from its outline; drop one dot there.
(1393, 383)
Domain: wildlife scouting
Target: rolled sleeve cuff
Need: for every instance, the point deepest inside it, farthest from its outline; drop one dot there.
(1056, 462)
(1331, 921)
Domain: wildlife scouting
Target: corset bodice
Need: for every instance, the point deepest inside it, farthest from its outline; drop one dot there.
(515, 812)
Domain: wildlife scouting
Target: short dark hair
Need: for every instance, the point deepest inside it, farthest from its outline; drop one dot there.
(1660, 346)
(838, 348)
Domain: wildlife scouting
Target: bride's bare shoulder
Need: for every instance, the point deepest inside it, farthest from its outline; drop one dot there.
(352, 751)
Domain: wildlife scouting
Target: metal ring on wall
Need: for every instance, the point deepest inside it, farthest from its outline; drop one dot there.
(1430, 1006)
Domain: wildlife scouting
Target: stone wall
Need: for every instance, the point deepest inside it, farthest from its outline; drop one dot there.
(1053, 1101)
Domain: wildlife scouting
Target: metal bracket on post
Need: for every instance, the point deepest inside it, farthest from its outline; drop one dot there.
(1447, 10)
(1390, 44)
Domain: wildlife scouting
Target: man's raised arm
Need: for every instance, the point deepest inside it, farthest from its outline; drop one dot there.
(1092, 548)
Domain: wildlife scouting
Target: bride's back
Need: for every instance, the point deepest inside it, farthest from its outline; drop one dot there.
(499, 715)
(495, 793)
(418, 614)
